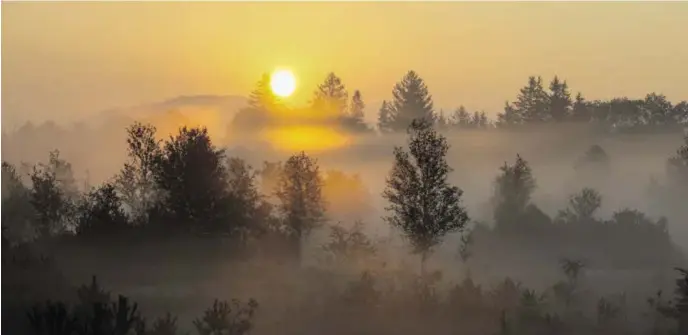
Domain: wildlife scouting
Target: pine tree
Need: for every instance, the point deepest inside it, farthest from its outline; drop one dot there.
(441, 121)
(422, 203)
(460, 118)
(509, 117)
(559, 100)
(330, 98)
(513, 190)
(353, 121)
(386, 118)
(532, 102)
(262, 98)
(411, 101)
(479, 120)
(581, 111)
(262, 104)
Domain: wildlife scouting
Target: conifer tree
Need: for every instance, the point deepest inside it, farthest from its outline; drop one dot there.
(330, 98)
(353, 121)
(411, 100)
(581, 111)
(386, 118)
(559, 100)
(532, 102)
(461, 118)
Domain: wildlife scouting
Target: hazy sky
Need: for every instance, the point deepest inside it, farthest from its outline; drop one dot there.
(72, 60)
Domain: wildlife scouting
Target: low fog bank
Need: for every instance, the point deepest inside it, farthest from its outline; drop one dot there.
(98, 152)
(348, 274)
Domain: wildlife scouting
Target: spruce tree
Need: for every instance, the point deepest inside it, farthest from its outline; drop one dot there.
(559, 100)
(513, 190)
(330, 98)
(510, 116)
(532, 103)
(581, 111)
(411, 100)
(386, 118)
(353, 121)
(460, 118)
(422, 203)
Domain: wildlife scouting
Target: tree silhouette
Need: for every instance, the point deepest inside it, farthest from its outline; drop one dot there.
(559, 100)
(353, 120)
(191, 174)
(411, 101)
(386, 118)
(330, 98)
(461, 118)
(50, 201)
(299, 192)
(532, 102)
(136, 183)
(101, 213)
(262, 105)
(582, 207)
(421, 201)
(509, 117)
(581, 111)
(225, 319)
(18, 214)
(250, 209)
(513, 190)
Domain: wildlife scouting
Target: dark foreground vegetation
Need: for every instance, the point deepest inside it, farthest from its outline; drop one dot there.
(181, 212)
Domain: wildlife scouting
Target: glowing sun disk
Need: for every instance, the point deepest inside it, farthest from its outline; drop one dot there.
(282, 83)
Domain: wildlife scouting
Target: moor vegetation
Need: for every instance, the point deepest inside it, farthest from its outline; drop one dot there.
(197, 241)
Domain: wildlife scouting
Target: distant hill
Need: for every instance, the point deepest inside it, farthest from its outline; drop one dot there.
(222, 106)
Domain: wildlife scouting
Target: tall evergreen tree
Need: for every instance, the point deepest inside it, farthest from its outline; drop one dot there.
(461, 118)
(331, 97)
(513, 190)
(532, 102)
(262, 103)
(386, 118)
(559, 100)
(581, 111)
(411, 101)
(509, 117)
(422, 203)
(441, 121)
(353, 121)
(479, 120)
(262, 98)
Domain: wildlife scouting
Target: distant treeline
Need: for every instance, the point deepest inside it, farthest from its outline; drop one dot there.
(535, 104)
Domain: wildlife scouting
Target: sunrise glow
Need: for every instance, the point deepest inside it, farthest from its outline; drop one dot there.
(283, 83)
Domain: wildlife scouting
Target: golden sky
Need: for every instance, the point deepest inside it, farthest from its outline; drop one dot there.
(72, 60)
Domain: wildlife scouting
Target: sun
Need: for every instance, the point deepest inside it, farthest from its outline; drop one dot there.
(282, 83)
